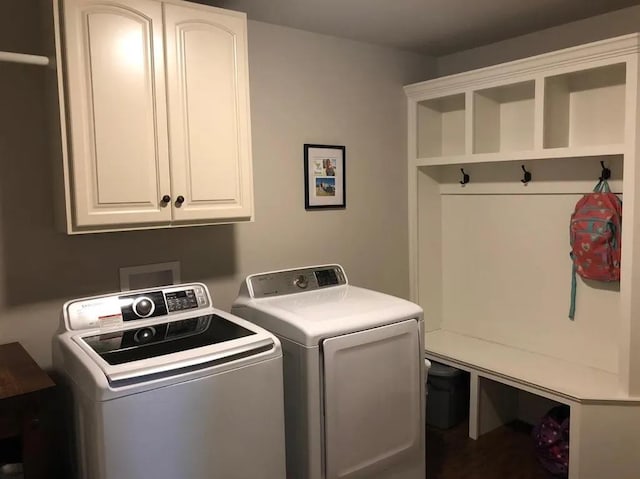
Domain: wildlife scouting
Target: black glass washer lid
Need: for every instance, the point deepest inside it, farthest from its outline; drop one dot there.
(118, 347)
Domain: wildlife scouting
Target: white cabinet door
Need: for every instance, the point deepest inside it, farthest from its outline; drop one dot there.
(117, 112)
(208, 100)
(373, 403)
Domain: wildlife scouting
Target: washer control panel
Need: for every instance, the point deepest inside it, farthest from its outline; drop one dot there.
(179, 300)
(142, 305)
(296, 281)
(111, 310)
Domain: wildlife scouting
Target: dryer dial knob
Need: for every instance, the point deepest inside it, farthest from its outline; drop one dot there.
(143, 307)
(301, 281)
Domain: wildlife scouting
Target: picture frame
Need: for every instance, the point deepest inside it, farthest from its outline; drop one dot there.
(324, 177)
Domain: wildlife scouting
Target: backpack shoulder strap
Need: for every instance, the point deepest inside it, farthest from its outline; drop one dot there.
(602, 187)
(572, 307)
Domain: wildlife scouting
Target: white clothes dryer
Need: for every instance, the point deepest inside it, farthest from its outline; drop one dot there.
(164, 386)
(353, 373)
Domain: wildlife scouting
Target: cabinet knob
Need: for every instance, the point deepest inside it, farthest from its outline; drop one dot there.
(179, 200)
(166, 199)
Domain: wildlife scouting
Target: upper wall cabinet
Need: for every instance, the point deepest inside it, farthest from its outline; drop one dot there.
(157, 101)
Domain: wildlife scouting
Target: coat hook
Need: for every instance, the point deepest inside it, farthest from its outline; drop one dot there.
(527, 176)
(465, 177)
(606, 172)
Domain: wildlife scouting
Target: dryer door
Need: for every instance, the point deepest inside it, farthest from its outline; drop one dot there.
(373, 402)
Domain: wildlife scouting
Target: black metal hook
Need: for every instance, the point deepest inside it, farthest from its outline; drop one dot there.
(527, 176)
(465, 177)
(606, 172)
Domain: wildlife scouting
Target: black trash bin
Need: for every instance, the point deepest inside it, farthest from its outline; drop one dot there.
(448, 396)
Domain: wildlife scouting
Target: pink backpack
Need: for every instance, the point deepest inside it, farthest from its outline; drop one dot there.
(595, 236)
(551, 438)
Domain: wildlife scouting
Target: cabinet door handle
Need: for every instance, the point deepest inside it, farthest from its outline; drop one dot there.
(179, 200)
(166, 199)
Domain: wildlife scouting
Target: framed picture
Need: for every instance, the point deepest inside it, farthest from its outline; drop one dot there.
(324, 177)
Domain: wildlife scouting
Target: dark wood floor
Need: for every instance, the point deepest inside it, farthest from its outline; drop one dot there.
(505, 453)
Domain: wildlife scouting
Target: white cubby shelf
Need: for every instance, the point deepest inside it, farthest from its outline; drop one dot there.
(547, 153)
(489, 260)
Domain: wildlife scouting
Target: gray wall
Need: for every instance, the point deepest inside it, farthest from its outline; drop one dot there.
(619, 22)
(305, 88)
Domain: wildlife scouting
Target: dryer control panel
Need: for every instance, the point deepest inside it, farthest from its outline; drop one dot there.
(112, 310)
(295, 280)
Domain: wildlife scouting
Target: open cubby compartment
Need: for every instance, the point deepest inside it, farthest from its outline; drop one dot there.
(585, 108)
(503, 118)
(532, 407)
(440, 124)
(493, 259)
(500, 404)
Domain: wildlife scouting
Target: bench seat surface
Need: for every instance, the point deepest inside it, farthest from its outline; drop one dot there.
(570, 380)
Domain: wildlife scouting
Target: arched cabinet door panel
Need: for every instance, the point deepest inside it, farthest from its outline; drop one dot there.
(209, 120)
(118, 148)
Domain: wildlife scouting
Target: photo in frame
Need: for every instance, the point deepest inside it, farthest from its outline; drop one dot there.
(324, 177)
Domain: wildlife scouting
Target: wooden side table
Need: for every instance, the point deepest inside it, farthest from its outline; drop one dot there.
(24, 388)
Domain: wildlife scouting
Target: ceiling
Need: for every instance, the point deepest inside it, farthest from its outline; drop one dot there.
(433, 27)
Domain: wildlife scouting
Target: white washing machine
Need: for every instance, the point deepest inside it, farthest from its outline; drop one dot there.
(164, 386)
(353, 373)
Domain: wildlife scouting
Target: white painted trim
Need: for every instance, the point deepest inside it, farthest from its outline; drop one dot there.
(412, 187)
(576, 58)
(544, 154)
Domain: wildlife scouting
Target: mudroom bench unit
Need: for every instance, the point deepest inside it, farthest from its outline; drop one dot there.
(498, 158)
(508, 383)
